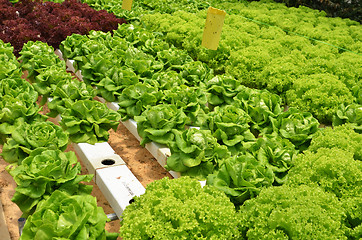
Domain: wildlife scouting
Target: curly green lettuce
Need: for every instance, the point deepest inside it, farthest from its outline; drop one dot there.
(285, 212)
(319, 94)
(180, 209)
(343, 137)
(335, 171)
(43, 172)
(157, 122)
(64, 216)
(88, 121)
(28, 137)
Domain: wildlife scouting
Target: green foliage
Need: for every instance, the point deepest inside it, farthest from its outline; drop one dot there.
(230, 126)
(36, 56)
(48, 78)
(16, 111)
(180, 209)
(195, 153)
(335, 171)
(275, 153)
(28, 137)
(351, 114)
(115, 80)
(261, 105)
(43, 172)
(221, 90)
(157, 122)
(342, 137)
(241, 177)
(66, 92)
(319, 94)
(332, 169)
(62, 216)
(192, 101)
(296, 126)
(88, 121)
(134, 99)
(286, 212)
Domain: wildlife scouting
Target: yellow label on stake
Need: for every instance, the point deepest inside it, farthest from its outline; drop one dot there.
(213, 26)
(127, 4)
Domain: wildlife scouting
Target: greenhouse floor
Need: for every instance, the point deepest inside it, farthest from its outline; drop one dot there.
(4, 232)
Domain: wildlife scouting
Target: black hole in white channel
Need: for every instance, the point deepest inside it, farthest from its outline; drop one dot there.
(108, 162)
(131, 201)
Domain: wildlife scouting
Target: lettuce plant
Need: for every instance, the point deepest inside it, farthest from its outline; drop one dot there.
(276, 153)
(64, 216)
(180, 209)
(230, 126)
(342, 137)
(296, 126)
(262, 106)
(43, 172)
(134, 99)
(192, 101)
(28, 137)
(115, 80)
(335, 171)
(157, 122)
(15, 111)
(285, 212)
(66, 92)
(222, 89)
(89, 121)
(36, 56)
(241, 177)
(17, 86)
(196, 73)
(349, 114)
(45, 82)
(165, 80)
(196, 153)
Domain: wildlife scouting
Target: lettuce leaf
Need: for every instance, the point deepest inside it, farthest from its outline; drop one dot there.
(28, 137)
(43, 172)
(89, 121)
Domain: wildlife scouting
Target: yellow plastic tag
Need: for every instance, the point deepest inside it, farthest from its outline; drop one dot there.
(213, 26)
(127, 4)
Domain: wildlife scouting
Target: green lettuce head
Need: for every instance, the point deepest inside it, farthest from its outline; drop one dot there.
(195, 152)
(64, 216)
(88, 121)
(230, 125)
(28, 137)
(156, 123)
(43, 172)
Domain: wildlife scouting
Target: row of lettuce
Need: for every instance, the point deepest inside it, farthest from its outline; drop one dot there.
(50, 192)
(311, 61)
(246, 144)
(243, 141)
